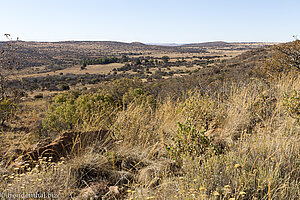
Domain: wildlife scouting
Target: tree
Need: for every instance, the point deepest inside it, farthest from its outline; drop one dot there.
(7, 96)
(64, 87)
(83, 66)
(124, 59)
(138, 61)
(165, 59)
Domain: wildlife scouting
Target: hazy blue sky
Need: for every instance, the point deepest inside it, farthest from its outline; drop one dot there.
(151, 21)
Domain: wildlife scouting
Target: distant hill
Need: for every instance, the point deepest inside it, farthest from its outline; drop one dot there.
(221, 44)
(208, 44)
(32, 54)
(68, 53)
(165, 44)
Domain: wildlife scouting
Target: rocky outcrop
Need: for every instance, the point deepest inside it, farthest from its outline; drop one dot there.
(65, 144)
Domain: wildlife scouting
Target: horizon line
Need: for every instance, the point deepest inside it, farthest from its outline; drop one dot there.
(146, 43)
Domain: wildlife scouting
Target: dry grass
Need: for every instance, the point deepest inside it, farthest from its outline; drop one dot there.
(261, 160)
(91, 69)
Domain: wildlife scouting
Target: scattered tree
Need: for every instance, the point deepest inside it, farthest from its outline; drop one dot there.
(165, 59)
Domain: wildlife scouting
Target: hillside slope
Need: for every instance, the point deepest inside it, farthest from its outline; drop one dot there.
(229, 131)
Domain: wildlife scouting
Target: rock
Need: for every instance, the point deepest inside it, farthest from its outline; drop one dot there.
(63, 145)
(93, 191)
(114, 189)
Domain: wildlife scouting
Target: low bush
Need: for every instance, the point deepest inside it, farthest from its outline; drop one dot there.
(188, 141)
(291, 104)
(7, 109)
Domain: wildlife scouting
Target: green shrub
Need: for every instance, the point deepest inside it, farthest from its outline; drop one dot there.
(82, 110)
(139, 96)
(7, 108)
(71, 110)
(189, 141)
(64, 87)
(38, 96)
(291, 103)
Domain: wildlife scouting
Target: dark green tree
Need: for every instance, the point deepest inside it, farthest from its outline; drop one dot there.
(165, 59)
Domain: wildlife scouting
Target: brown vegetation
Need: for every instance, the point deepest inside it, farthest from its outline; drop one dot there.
(230, 130)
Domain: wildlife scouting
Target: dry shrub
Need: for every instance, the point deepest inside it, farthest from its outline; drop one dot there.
(285, 58)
